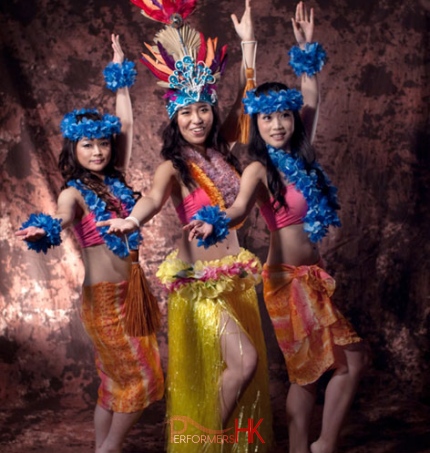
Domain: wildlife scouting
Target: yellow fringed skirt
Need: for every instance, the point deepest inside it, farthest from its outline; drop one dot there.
(306, 323)
(199, 295)
(129, 368)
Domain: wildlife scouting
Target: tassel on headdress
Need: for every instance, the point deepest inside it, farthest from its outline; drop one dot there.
(181, 58)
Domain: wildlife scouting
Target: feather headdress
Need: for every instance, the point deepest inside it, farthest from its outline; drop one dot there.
(181, 58)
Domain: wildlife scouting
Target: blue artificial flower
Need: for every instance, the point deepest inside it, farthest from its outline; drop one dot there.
(52, 228)
(309, 60)
(218, 219)
(119, 75)
(320, 214)
(88, 128)
(120, 191)
(273, 101)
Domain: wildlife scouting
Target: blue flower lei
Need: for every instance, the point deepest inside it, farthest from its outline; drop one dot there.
(104, 128)
(320, 214)
(273, 101)
(120, 75)
(218, 219)
(52, 228)
(96, 205)
(309, 60)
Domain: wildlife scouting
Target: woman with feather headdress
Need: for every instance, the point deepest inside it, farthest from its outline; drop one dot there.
(217, 384)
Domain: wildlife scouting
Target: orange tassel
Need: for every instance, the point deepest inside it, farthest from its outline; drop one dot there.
(244, 119)
(142, 314)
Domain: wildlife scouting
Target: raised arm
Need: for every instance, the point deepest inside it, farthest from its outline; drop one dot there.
(148, 206)
(245, 30)
(123, 111)
(303, 27)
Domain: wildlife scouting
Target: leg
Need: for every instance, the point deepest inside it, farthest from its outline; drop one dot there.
(339, 394)
(300, 404)
(120, 426)
(240, 358)
(102, 423)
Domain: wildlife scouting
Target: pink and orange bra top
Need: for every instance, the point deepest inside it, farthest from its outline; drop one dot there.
(292, 214)
(191, 204)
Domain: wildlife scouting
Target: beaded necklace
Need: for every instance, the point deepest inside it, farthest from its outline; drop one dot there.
(320, 214)
(97, 206)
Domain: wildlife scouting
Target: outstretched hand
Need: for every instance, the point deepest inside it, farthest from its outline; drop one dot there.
(31, 234)
(118, 226)
(244, 28)
(118, 54)
(303, 24)
(198, 229)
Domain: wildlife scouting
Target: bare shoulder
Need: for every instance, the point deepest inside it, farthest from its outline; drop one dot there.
(255, 170)
(70, 195)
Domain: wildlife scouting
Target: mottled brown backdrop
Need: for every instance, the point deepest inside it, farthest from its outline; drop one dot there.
(372, 138)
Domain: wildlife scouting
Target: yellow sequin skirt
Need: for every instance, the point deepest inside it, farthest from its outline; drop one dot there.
(306, 323)
(199, 295)
(129, 368)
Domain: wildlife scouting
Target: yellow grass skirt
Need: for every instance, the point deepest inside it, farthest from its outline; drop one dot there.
(129, 368)
(307, 324)
(198, 295)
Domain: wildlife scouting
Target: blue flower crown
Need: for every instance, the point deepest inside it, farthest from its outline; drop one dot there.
(74, 130)
(191, 82)
(273, 101)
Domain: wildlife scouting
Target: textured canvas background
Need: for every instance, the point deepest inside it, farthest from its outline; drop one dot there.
(372, 138)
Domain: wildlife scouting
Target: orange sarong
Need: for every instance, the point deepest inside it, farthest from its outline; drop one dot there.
(129, 367)
(306, 323)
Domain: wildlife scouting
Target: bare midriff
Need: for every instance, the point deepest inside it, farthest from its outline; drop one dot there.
(102, 265)
(190, 252)
(291, 245)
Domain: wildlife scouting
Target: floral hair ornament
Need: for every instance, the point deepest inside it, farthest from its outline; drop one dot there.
(185, 63)
(272, 101)
(75, 125)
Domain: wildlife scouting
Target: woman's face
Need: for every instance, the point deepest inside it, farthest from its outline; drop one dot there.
(195, 123)
(94, 154)
(276, 128)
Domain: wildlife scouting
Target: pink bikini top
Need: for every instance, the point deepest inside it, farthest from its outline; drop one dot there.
(86, 231)
(293, 214)
(191, 204)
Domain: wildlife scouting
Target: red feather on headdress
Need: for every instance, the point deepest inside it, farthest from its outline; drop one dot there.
(163, 10)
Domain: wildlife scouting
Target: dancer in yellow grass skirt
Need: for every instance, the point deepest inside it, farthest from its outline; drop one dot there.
(217, 368)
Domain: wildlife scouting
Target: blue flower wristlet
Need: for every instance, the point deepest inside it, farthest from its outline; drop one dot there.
(120, 75)
(218, 219)
(309, 60)
(52, 228)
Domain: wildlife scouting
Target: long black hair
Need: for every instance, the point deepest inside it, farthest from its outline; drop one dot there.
(300, 147)
(174, 143)
(70, 168)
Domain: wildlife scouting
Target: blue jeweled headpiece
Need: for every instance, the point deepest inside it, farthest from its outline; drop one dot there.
(273, 101)
(190, 82)
(74, 130)
(183, 61)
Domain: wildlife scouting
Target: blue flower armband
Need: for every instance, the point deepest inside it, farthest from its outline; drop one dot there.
(52, 228)
(309, 60)
(218, 219)
(120, 75)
